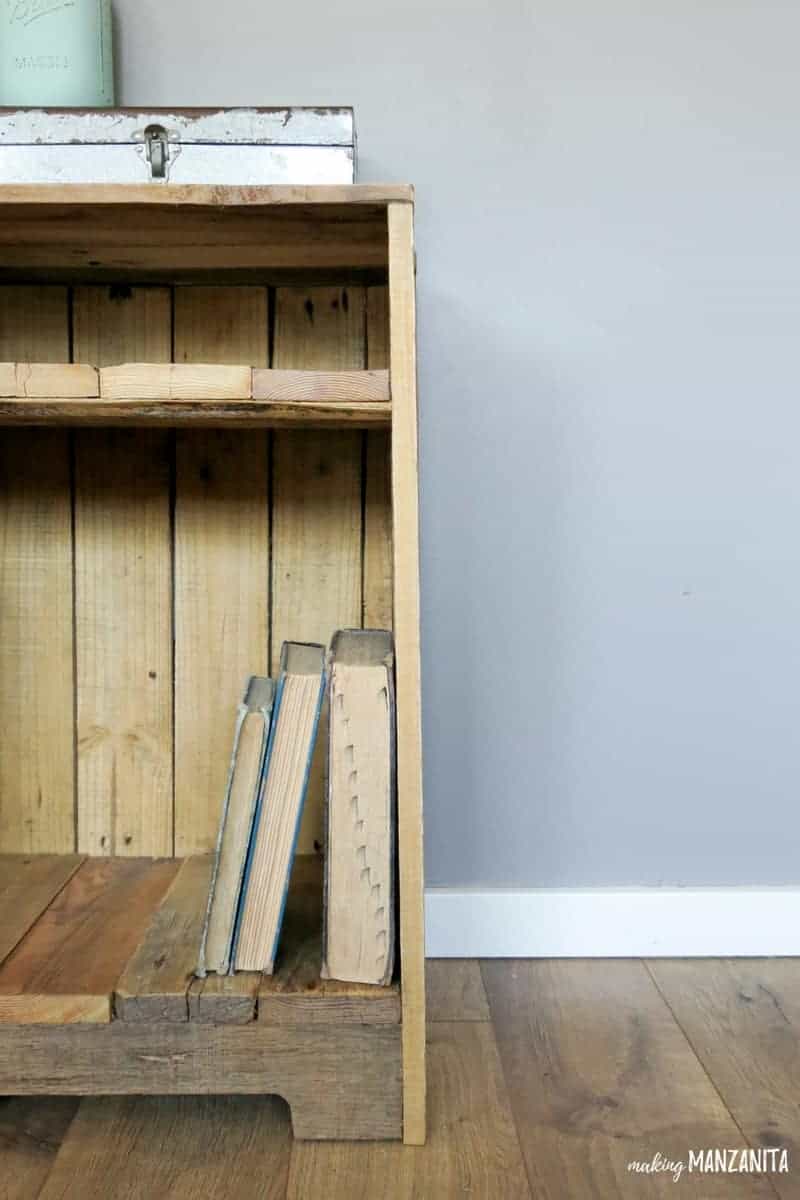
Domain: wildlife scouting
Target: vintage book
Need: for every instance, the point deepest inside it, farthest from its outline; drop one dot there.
(359, 932)
(250, 741)
(269, 861)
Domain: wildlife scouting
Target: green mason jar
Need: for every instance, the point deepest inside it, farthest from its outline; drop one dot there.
(56, 54)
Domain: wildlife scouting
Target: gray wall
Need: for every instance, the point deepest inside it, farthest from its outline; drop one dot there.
(609, 302)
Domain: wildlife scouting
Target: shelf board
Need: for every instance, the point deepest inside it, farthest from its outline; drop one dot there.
(188, 394)
(132, 228)
(245, 414)
(111, 913)
(296, 993)
(206, 195)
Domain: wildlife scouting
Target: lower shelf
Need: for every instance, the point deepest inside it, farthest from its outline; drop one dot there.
(97, 996)
(101, 939)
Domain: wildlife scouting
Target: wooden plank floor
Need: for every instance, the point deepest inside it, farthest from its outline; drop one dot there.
(546, 1079)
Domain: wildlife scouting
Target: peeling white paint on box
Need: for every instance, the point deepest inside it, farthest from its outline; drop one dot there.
(233, 165)
(244, 126)
(304, 146)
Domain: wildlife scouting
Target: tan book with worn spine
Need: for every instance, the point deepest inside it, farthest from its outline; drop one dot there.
(359, 933)
(277, 821)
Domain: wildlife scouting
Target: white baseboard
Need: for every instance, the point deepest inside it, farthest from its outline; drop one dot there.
(613, 923)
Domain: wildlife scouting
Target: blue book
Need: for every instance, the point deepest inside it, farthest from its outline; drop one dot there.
(251, 737)
(280, 806)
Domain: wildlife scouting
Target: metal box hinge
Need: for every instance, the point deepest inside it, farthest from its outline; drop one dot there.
(156, 142)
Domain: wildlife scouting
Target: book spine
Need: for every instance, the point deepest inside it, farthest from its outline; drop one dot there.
(269, 967)
(241, 713)
(228, 965)
(326, 815)
(251, 845)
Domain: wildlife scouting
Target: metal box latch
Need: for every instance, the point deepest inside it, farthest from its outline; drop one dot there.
(156, 142)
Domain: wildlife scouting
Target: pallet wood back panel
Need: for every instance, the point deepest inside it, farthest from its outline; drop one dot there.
(171, 562)
(377, 580)
(36, 641)
(123, 592)
(221, 561)
(316, 508)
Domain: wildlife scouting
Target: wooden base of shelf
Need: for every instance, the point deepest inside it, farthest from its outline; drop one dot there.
(97, 996)
(340, 1082)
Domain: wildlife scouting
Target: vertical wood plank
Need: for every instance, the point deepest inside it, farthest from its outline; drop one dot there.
(316, 557)
(114, 325)
(378, 482)
(36, 610)
(123, 592)
(405, 505)
(124, 642)
(221, 561)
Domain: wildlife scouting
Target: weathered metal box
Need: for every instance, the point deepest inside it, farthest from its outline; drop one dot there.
(237, 146)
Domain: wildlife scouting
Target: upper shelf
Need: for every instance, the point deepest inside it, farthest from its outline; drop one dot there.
(190, 394)
(206, 195)
(156, 230)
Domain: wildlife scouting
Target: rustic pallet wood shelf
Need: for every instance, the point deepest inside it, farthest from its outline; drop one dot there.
(104, 975)
(210, 444)
(215, 395)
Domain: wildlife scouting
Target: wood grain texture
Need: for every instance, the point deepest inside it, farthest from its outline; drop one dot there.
(742, 1019)
(34, 324)
(405, 506)
(115, 325)
(598, 1074)
(31, 1132)
(66, 967)
(739, 1015)
(472, 1148)
(322, 387)
(168, 240)
(377, 584)
(177, 381)
(454, 990)
(221, 563)
(175, 1147)
(296, 994)
(154, 984)
(204, 195)
(123, 594)
(42, 380)
(209, 414)
(27, 886)
(224, 999)
(36, 609)
(316, 554)
(340, 1082)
